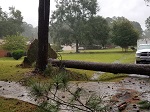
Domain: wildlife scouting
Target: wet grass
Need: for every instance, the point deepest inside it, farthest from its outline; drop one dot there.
(9, 71)
(103, 56)
(145, 105)
(112, 77)
(108, 57)
(13, 105)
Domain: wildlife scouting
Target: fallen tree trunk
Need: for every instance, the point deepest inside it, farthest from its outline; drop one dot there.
(115, 68)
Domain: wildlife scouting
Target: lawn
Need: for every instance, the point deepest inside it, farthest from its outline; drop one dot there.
(104, 56)
(13, 105)
(9, 71)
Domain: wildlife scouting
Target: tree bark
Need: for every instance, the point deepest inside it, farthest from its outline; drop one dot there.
(105, 67)
(43, 27)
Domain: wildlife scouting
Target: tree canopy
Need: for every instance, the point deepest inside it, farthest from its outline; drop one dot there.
(10, 23)
(124, 34)
(146, 33)
(147, 22)
(96, 31)
(137, 26)
(74, 14)
(29, 31)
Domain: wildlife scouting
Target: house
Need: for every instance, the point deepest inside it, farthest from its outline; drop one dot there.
(3, 53)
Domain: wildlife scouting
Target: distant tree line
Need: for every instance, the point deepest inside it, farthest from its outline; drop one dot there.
(77, 22)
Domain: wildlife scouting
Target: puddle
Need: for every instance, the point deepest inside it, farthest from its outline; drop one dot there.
(15, 90)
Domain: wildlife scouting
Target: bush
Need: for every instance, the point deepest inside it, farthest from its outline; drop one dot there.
(17, 54)
(9, 54)
(14, 42)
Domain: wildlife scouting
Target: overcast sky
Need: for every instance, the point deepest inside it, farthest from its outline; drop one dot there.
(134, 10)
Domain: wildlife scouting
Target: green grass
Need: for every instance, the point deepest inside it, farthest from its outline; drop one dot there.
(130, 58)
(88, 73)
(107, 57)
(145, 105)
(14, 105)
(9, 71)
(104, 56)
(111, 77)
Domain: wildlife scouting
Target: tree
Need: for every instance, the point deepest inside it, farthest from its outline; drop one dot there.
(61, 34)
(28, 30)
(10, 23)
(3, 19)
(124, 34)
(43, 26)
(137, 26)
(147, 0)
(146, 33)
(74, 13)
(16, 19)
(97, 31)
(14, 42)
(105, 67)
(147, 22)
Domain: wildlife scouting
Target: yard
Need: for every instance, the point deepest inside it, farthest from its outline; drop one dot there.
(9, 71)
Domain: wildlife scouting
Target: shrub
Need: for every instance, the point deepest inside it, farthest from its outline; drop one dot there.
(56, 94)
(14, 42)
(9, 54)
(144, 105)
(17, 54)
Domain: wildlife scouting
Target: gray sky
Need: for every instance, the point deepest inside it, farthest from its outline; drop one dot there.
(134, 10)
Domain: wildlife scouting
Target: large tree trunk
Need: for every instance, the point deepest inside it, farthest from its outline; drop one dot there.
(43, 27)
(105, 67)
